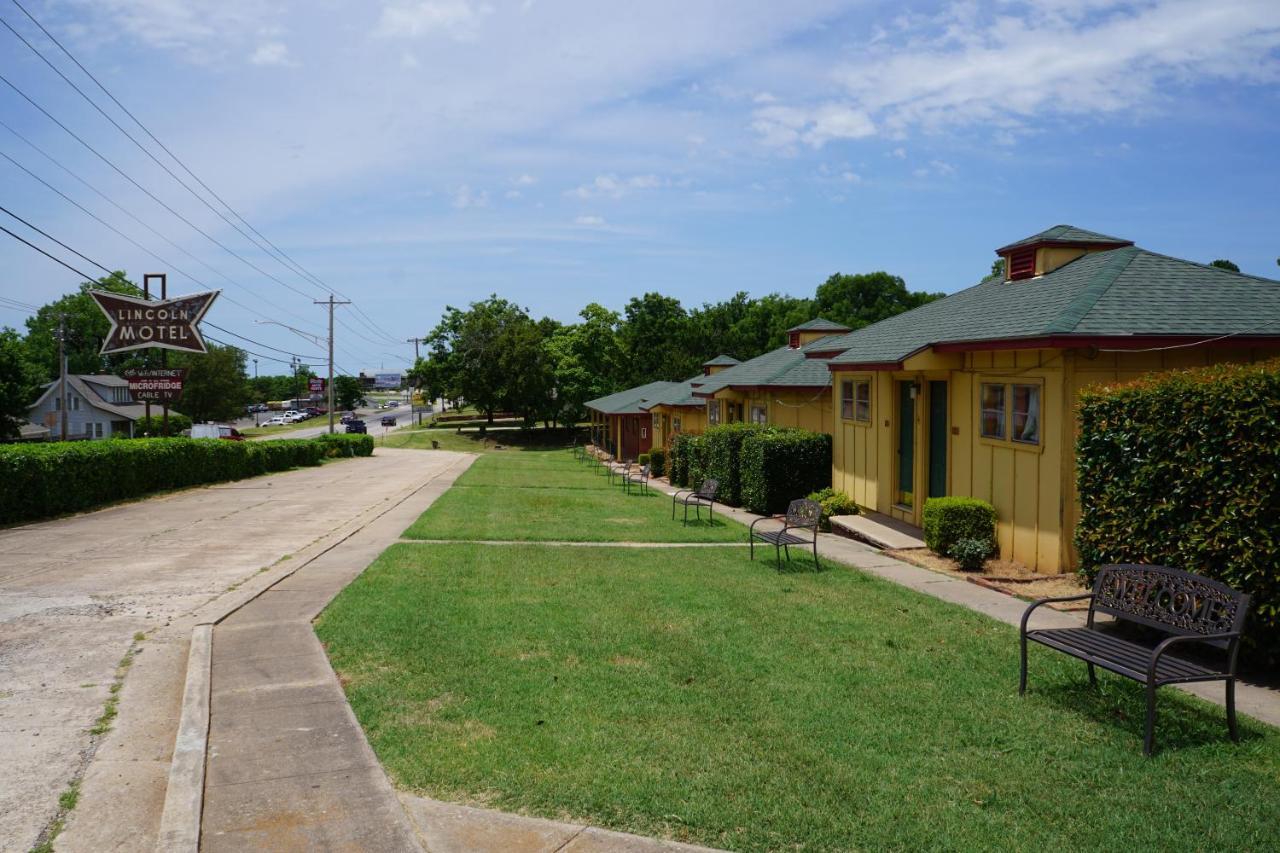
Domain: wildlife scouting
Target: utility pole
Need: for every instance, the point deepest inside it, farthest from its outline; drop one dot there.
(416, 389)
(62, 374)
(331, 302)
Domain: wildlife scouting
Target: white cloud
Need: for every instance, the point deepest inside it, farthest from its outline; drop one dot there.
(525, 180)
(612, 186)
(464, 197)
(458, 19)
(782, 126)
(272, 53)
(900, 153)
(590, 221)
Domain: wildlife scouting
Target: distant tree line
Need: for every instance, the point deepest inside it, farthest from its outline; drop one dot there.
(496, 356)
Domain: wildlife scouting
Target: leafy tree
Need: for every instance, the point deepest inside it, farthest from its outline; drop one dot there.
(87, 327)
(654, 339)
(860, 300)
(216, 387)
(586, 361)
(347, 392)
(1224, 264)
(20, 382)
(997, 267)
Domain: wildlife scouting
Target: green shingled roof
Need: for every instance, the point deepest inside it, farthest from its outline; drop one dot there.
(1065, 234)
(782, 366)
(628, 402)
(818, 324)
(678, 394)
(1120, 292)
(721, 361)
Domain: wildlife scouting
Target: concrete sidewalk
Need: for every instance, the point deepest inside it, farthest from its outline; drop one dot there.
(288, 766)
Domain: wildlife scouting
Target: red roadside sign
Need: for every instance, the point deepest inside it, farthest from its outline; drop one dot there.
(155, 384)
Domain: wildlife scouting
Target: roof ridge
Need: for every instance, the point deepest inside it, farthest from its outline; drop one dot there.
(1094, 290)
(1262, 278)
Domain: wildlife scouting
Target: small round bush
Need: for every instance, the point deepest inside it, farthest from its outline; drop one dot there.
(970, 554)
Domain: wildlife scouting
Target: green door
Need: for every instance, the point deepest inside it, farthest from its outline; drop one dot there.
(937, 439)
(906, 442)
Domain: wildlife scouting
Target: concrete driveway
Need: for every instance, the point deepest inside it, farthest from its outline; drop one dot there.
(77, 594)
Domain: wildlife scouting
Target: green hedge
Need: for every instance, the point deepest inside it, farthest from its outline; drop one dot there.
(1183, 469)
(780, 465)
(43, 480)
(699, 460)
(346, 445)
(723, 451)
(657, 462)
(948, 520)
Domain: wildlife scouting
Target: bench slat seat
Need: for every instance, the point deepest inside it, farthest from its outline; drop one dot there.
(1121, 656)
(778, 537)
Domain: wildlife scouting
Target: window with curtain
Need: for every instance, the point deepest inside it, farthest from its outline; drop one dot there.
(759, 414)
(993, 416)
(1025, 421)
(862, 400)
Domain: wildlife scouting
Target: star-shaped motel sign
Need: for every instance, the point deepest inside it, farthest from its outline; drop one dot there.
(140, 323)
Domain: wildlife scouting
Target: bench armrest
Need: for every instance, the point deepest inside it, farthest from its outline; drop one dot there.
(1027, 613)
(675, 496)
(812, 528)
(1158, 651)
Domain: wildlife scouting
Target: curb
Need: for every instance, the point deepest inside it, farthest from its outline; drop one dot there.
(180, 820)
(184, 794)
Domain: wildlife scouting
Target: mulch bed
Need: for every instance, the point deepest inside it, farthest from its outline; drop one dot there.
(1007, 576)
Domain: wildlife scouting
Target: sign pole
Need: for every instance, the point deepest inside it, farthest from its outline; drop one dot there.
(146, 294)
(164, 353)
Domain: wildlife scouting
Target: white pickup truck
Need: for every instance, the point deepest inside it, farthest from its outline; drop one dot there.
(216, 431)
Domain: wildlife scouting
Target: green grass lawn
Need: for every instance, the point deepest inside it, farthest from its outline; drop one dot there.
(693, 694)
(548, 495)
(420, 438)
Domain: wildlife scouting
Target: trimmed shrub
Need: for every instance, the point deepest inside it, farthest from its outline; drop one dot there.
(154, 426)
(779, 465)
(1183, 469)
(724, 447)
(344, 445)
(833, 503)
(42, 480)
(950, 519)
(642, 459)
(970, 554)
(657, 462)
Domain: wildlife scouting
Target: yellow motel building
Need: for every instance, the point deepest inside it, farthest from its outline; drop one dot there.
(975, 394)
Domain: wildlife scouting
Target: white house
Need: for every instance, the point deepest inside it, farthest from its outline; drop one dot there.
(98, 406)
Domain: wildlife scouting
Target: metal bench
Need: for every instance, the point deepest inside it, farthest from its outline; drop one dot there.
(704, 495)
(802, 515)
(618, 470)
(639, 479)
(1184, 606)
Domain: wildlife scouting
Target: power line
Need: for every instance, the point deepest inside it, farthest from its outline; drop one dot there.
(284, 257)
(49, 236)
(148, 192)
(53, 258)
(102, 267)
(126, 237)
(128, 135)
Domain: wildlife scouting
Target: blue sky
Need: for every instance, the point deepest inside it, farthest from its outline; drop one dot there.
(418, 153)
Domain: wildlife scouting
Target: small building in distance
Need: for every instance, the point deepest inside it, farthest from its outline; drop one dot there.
(98, 406)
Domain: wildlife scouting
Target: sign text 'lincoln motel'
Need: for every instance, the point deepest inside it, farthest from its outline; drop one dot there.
(139, 323)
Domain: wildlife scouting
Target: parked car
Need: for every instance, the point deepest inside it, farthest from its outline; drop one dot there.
(348, 417)
(216, 431)
(278, 420)
(391, 404)
(357, 425)
(388, 420)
